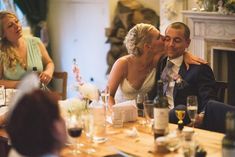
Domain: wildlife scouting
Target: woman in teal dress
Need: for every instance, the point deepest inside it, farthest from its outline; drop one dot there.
(20, 54)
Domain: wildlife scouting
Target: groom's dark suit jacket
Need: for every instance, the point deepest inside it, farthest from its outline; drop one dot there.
(199, 81)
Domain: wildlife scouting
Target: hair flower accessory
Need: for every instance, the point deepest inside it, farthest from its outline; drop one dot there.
(180, 83)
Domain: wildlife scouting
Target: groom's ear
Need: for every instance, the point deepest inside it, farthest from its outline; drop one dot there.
(188, 41)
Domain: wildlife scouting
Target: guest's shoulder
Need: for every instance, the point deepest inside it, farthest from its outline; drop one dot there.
(32, 39)
(201, 68)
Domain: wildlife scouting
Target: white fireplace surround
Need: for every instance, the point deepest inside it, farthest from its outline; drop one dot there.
(209, 31)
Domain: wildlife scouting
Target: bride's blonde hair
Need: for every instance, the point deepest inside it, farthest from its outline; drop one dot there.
(8, 56)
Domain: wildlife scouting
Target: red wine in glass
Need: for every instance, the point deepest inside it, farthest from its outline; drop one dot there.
(75, 132)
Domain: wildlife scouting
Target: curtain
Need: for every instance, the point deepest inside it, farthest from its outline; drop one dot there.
(36, 14)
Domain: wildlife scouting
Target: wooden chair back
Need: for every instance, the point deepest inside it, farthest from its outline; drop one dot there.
(221, 87)
(62, 76)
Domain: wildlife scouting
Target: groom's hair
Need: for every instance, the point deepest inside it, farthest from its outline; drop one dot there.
(181, 25)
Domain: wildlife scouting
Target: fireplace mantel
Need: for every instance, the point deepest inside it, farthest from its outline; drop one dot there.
(208, 15)
(209, 30)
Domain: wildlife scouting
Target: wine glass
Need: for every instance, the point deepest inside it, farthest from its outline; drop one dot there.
(75, 126)
(105, 98)
(192, 107)
(139, 103)
(148, 109)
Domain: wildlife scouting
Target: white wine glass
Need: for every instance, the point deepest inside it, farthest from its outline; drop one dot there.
(192, 107)
(104, 94)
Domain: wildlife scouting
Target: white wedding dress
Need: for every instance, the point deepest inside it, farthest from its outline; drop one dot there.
(126, 92)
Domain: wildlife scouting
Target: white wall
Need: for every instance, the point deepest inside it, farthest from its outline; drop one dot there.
(77, 30)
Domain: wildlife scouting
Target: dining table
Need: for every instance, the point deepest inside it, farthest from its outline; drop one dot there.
(137, 140)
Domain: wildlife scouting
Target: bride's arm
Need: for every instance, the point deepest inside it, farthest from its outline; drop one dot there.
(115, 77)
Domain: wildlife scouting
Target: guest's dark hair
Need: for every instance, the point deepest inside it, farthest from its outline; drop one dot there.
(30, 125)
(181, 25)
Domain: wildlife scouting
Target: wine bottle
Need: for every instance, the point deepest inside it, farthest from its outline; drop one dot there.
(228, 142)
(161, 112)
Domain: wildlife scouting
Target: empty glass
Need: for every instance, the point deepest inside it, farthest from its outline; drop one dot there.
(148, 111)
(192, 107)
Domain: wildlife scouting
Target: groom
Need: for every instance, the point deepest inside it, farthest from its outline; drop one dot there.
(181, 81)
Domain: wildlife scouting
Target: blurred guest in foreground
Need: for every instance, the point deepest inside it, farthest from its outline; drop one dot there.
(19, 54)
(35, 126)
(182, 82)
(135, 73)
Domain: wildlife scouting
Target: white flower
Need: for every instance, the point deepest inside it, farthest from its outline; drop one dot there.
(72, 106)
(89, 91)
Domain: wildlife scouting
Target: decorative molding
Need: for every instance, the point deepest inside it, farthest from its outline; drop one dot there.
(196, 15)
(210, 30)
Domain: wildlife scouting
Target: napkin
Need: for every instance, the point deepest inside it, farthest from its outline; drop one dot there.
(127, 111)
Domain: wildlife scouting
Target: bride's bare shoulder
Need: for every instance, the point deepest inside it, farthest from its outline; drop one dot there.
(123, 60)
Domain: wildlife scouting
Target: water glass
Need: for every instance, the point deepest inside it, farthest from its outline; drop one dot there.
(148, 111)
(192, 107)
(118, 118)
(88, 123)
(189, 143)
(99, 123)
(173, 141)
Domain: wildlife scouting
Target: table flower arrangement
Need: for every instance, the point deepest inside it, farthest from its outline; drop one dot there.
(87, 92)
(72, 106)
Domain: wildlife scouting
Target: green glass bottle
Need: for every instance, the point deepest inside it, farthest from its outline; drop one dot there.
(161, 112)
(228, 142)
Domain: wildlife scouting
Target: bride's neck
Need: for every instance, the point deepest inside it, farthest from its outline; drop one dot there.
(144, 61)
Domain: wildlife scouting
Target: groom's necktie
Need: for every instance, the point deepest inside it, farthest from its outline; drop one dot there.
(166, 76)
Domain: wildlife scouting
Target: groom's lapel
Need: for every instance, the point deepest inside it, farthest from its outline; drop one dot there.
(182, 73)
